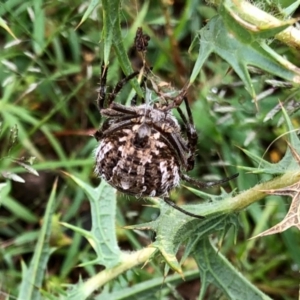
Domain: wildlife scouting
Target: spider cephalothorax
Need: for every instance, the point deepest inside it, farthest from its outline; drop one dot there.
(142, 150)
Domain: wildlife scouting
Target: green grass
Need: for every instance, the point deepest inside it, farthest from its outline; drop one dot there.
(50, 66)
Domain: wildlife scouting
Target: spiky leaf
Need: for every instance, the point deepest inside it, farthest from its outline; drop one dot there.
(174, 228)
(216, 269)
(221, 39)
(102, 236)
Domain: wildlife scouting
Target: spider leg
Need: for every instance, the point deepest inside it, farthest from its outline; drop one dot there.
(102, 88)
(175, 144)
(176, 101)
(118, 110)
(208, 184)
(113, 127)
(122, 115)
(120, 85)
(171, 203)
(191, 133)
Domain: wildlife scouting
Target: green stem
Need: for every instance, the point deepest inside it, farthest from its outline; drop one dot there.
(246, 198)
(129, 261)
(258, 192)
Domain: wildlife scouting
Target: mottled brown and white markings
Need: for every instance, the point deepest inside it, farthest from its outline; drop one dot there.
(138, 158)
(142, 150)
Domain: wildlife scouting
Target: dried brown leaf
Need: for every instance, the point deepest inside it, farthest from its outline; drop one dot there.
(292, 218)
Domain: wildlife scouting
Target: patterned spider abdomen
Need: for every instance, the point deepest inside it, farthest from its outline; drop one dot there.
(139, 158)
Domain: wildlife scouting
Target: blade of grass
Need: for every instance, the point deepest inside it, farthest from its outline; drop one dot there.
(33, 276)
(39, 27)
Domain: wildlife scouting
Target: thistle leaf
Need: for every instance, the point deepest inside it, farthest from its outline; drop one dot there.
(292, 218)
(102, 236)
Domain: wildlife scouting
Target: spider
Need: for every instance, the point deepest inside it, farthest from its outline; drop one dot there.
(142, 149)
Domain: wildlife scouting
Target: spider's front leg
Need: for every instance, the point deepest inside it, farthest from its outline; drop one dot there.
(115, 91)
(120, 85)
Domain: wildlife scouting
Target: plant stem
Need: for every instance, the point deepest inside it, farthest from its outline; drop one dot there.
(245, 198)
(256, 193)
(129, 261)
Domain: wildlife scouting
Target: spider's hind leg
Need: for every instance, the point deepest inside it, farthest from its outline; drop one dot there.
(191, 132)
(171, 203)
(102, 88)
(208, 184)
(201, 185)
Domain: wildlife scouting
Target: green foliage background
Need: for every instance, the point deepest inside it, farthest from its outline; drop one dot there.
(54, 241)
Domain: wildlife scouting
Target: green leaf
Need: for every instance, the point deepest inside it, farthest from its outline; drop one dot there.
(27, 167)
(87, 13)
(4, 190)
(217, 270)
(32, 278)
(15, 207)
(4, 25)
(102, 236)
(112, 36)
(39, 27)
(111, 26)
(12, 137)
(288, 11)
(12, 176)
(239, 53)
